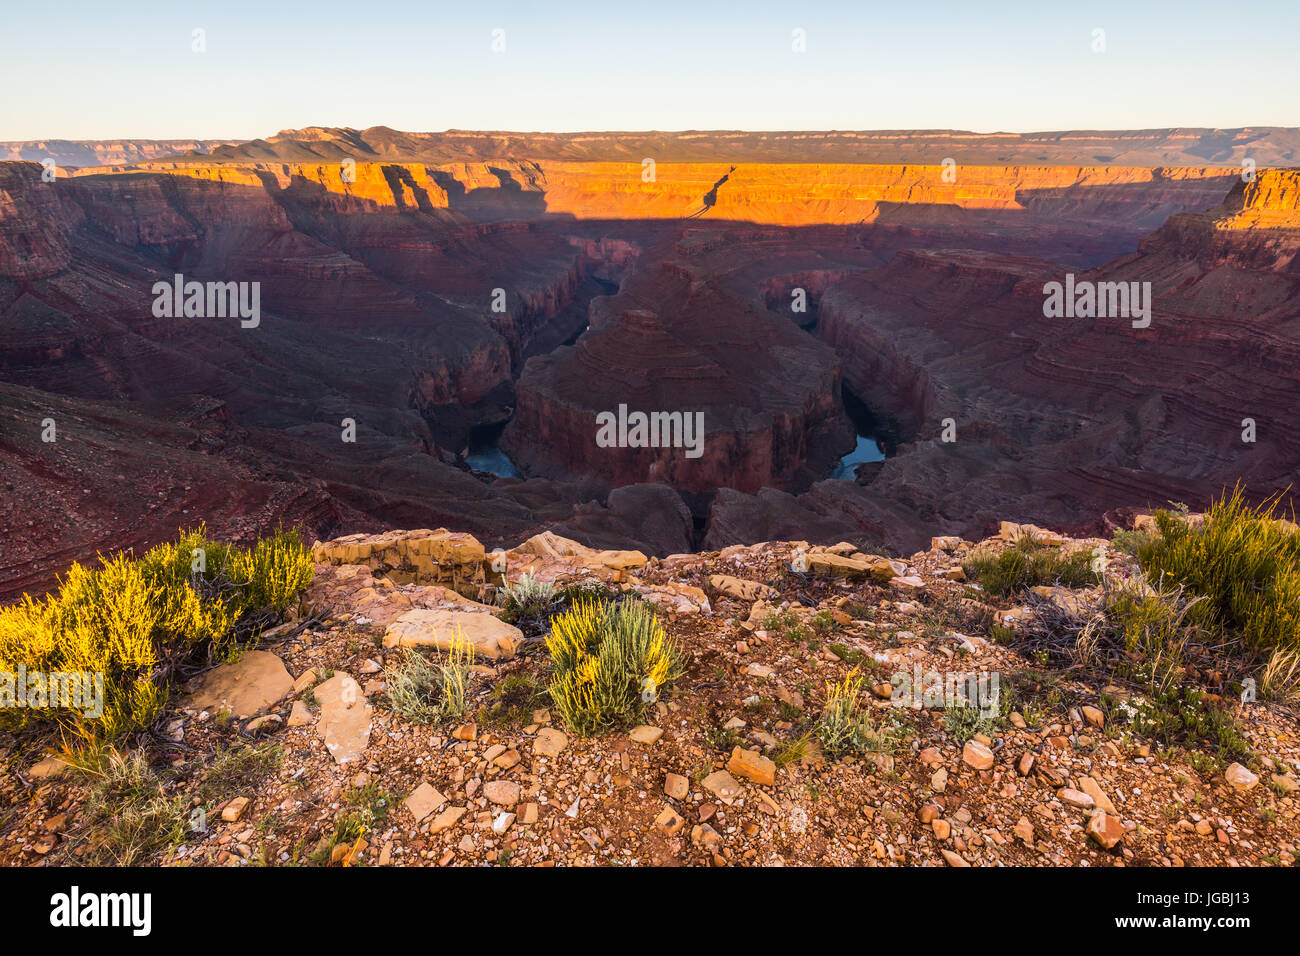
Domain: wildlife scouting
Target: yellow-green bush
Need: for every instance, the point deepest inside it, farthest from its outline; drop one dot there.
(136, 620)
(611, 661)
(845, 725)
(1026, 564)
(1242, 559)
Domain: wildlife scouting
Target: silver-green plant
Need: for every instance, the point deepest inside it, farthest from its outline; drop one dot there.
(425, 691)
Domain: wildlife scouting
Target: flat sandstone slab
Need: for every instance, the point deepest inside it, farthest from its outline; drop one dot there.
(440, 627)
(345, 718)
(253, 683)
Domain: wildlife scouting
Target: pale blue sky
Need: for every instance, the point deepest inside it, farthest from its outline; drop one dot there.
(81, 70)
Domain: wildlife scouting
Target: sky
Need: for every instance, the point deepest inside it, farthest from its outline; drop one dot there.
(93, 70)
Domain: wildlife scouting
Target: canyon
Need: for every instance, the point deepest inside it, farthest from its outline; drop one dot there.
(436, 288)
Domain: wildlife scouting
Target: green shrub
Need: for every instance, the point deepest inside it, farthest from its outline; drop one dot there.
(136, 621)
(784, 625)
(1184, 717)
(514, 698)
(846, 726)
(1148, 632)
(1244, 561)
(270, 576)
(587, 590)
(610, 662)
(1026, 564)
(965, 722)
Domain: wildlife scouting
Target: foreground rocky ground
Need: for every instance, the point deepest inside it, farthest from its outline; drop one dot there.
(294, 756)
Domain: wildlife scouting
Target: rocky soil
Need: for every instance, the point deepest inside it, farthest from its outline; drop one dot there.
(722, 772)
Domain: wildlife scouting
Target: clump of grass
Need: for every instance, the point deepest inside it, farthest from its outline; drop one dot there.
(136, 621)
(526, 599)
(793, 751)
(127, 812)
(425, 691)
(785, 625)
(1026, 564)
(1280, 679)
(847, 654)
(847, 726)
(610, 662)
(1242, 559)
(239, 769)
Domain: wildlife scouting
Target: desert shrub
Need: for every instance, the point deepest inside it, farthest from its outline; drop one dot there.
(847, 726)
(513, 700)
(785, 625)
(1026, 564)
(425, 691)
(965, 722)
(1149, 632)
(823, 623)
(137, 621)
(591, 589)
(610, 661)
(1242, 559)
(526, 598)
(269, 576)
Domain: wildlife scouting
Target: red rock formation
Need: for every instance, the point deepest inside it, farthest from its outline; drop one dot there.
(1056, 417)
(377, 290)
(674, 343)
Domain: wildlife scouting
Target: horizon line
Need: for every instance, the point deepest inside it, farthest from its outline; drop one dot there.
(931, 130)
